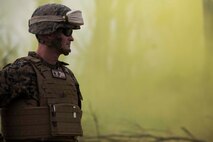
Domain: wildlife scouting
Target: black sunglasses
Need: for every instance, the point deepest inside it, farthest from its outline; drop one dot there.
(67, 31)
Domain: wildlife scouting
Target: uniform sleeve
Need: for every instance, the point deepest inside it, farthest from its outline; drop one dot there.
(4, 88)
(18, 80)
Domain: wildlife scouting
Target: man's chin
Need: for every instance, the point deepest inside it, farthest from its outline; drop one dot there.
(66, 52)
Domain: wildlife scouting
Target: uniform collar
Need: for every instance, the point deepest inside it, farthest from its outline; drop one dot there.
(57, 65)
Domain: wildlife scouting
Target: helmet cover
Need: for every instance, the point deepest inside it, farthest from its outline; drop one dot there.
(47, 18)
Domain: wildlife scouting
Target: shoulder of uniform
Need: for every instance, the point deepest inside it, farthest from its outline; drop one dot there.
(6, 66)
(32, 59)
(20, 63)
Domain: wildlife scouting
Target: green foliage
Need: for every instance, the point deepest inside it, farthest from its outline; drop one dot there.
(7, 48)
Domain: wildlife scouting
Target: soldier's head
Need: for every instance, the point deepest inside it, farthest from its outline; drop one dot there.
(53, 25)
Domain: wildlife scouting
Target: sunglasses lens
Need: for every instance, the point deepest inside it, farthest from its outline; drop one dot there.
(67, 32)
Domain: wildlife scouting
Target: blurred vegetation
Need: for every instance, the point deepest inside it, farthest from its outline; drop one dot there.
(146, 65)
(6, 46)
(41, 2)
(141, 64)
(208, 22)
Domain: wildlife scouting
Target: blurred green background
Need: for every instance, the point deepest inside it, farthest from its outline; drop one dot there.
(142, 65)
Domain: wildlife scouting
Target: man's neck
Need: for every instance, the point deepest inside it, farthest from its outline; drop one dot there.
(50, 55)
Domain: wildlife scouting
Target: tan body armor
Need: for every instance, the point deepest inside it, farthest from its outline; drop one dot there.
(58, 115)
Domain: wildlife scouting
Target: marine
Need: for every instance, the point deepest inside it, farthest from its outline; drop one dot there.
(40, 98)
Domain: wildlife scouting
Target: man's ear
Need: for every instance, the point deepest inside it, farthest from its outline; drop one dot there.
(52, 35)
(49, 36)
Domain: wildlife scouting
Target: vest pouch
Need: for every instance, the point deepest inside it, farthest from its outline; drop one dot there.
(65, 120)
(24, 123)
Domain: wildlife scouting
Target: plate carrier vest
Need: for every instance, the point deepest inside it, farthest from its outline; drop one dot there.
(58, 115)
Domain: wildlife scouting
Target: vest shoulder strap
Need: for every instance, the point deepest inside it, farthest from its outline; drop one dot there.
(35, 62)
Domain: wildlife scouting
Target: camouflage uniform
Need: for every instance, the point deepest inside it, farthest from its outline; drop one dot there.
(20, 82)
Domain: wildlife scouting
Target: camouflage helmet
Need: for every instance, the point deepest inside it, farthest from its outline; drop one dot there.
(47, 18)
